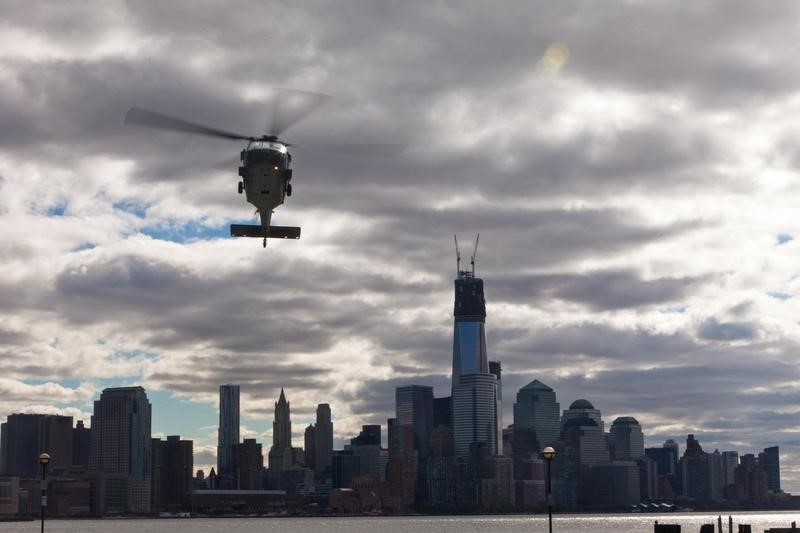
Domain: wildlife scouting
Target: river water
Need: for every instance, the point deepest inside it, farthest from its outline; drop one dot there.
(609, 523)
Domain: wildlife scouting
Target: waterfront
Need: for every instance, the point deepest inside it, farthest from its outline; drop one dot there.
(607, 523)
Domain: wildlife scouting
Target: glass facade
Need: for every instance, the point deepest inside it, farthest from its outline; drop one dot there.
(469, 335)
(414, 406)
(475, 413)
(469, 348)
(474, 400)
(537, 410)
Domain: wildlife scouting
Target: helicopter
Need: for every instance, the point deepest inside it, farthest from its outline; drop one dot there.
(265, 163)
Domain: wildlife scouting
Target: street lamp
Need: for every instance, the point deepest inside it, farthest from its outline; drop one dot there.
(43, 460)
(548, 454)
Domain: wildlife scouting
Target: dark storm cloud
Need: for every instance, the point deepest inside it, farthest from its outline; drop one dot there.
(254, 373)
(512, 239)
(712, 329)
(84, 103)
(375, 398)
(581, 347)
(601, 290)
(178, 307)
(655, 157)
(626, 43)
(78, 101)
(595, 341)
(717, 59)
(682, 391)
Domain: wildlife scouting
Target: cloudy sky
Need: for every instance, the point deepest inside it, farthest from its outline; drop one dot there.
(631, 167)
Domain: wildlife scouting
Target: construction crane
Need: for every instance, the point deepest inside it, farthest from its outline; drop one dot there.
(458, 257)
(474, 255)
(471, 259)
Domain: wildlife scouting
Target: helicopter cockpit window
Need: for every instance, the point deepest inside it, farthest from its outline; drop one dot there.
(267, 145)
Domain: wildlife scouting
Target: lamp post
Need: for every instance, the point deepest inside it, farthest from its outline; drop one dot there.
(548, 454)
(43, 460)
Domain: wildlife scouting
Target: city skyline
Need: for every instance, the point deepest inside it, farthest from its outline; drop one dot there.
(632, 169)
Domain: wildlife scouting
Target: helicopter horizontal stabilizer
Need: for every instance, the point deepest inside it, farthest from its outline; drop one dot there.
(274, 232)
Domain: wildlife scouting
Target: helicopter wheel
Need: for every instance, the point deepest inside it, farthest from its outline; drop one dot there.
(241, 187)
(289, 190)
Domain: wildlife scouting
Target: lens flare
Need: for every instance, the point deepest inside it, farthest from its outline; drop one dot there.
(554, 58)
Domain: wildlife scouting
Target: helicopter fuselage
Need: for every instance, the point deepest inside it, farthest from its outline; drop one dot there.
(266, 174)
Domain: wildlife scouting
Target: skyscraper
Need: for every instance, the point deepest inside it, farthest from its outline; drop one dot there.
(414, 407)
(474, 413)
(81, 439)
(367, 447)
(469, 335)
(25, 436)
(497, 369)
(474, 399)
(694, 468)
(769, 461)
(582, 409)
(280, 456)
(310, 445)
(172, 474)
(121, 441)
(323, 439)
(248, 463)
(282, 425)
(228, 428)
(537, 410)
(730, 460)
(582, 445)
(443, 411)
(627, 438)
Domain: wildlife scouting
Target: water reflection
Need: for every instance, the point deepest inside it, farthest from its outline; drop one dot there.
(627, 523)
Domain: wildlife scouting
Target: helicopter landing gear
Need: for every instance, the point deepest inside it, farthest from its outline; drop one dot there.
(289, 189)
(241, 187)
(265, 242)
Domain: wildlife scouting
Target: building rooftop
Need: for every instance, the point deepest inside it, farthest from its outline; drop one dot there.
(581, 404)
(536, 385)
(625, 421)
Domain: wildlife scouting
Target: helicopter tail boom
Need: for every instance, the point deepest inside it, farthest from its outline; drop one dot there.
(274, 232)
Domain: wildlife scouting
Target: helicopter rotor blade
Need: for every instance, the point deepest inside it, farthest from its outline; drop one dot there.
(290, 106)
(228, 164)
(363, 150)
(152, 119)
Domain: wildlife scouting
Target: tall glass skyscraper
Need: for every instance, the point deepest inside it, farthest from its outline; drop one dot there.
(475, 399)
(536, 411)
(414, 406)
(475, 413)
(769, 460)
(228, 428)
(469, 335)
(628, 440)
(121, 441)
